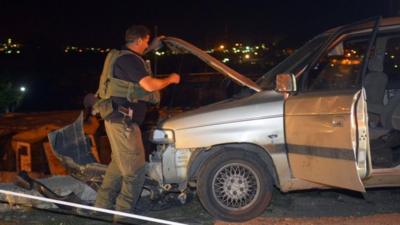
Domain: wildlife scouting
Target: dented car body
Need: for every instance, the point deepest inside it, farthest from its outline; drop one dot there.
(316, 132)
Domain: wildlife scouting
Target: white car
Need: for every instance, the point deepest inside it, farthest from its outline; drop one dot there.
(331, 120)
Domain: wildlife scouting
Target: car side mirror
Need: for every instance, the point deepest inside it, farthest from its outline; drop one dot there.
(285, 83)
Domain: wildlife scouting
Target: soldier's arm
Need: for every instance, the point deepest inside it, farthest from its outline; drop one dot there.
(150, 83)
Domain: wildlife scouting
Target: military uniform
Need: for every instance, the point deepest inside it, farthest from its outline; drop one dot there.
(125, 174)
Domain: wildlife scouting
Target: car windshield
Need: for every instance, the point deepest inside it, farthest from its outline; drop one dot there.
(294, 63)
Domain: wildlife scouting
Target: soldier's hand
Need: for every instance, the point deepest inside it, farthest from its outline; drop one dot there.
(174, 78)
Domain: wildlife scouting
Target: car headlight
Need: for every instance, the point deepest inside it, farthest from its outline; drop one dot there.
(163, 137)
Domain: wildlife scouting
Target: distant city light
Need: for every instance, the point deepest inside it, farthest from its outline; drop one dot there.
(74, 49)
(10, 47)
(232, 52)
(159, 53)
(345, 62)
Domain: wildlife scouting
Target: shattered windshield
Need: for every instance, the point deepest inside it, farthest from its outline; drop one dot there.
(294, 63)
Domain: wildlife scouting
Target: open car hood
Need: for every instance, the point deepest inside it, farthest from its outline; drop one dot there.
(181, 46)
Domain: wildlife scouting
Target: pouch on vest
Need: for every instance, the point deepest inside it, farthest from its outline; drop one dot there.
(136, 93)
(104, 107)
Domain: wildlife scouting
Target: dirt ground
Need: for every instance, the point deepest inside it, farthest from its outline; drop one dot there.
(378, 206)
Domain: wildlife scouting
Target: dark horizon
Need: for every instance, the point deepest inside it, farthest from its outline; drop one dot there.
(55, 80)
(202, 23)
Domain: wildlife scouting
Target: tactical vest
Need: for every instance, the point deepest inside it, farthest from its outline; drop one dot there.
(111, 86)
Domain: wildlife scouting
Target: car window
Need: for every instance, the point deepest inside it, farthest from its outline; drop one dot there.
(339, 67)
(392, 65)
(294, 63)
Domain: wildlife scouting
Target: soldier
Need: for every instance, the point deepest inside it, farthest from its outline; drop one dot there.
(126, 86)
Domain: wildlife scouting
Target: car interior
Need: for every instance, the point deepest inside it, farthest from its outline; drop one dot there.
(382, 85)
(339, 69)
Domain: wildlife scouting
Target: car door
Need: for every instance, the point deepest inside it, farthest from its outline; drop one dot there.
(326, 123)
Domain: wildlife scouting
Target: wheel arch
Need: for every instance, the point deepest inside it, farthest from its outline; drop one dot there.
(201, 156)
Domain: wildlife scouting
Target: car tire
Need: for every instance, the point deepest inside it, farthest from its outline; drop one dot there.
(234, 186)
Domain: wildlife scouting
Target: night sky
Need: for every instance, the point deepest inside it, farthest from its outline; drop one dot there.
(45, 28)
(102, 23)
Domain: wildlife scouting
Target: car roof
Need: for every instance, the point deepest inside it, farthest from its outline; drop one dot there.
(369, 23)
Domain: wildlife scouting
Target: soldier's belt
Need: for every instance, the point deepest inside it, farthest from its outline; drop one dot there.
(126, 111)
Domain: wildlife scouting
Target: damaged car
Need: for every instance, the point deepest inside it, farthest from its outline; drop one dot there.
(328, 116)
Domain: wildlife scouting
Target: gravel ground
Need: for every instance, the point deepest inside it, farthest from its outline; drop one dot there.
(378, 206)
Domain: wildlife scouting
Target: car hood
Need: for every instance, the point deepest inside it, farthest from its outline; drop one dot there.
(265, 104)
(181, 46)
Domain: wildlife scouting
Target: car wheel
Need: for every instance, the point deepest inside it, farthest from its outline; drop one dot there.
(235, 186)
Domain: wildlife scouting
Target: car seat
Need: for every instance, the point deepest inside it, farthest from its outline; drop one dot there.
(375, 85)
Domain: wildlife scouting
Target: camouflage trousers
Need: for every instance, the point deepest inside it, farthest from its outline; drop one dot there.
(124, 178)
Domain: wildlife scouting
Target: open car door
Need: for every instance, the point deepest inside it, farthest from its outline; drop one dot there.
(327, 138)
(326, 123)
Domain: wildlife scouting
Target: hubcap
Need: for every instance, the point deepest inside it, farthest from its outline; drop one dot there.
(235, 186)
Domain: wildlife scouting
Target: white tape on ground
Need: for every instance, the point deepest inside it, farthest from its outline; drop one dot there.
(91, 208)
